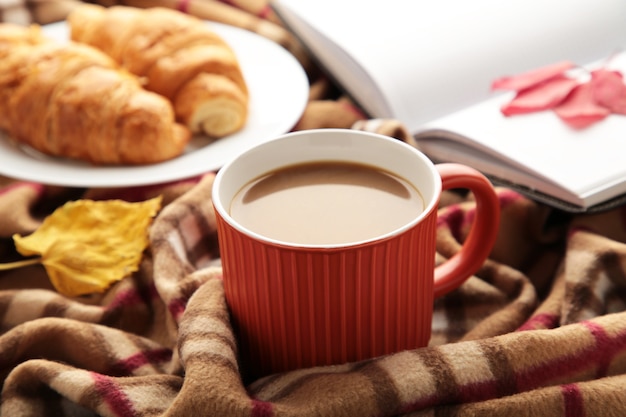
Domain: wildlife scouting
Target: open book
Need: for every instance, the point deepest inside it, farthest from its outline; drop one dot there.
(430, 64)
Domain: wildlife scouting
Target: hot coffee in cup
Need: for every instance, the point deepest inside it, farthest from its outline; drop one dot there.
(327, 241)
(326, 203)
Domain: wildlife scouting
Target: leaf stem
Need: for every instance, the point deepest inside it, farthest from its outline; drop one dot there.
(19, 264)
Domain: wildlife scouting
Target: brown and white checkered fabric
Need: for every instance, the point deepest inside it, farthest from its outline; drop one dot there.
(540, 330)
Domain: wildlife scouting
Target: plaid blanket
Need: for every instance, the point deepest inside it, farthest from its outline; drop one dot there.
(540, 330)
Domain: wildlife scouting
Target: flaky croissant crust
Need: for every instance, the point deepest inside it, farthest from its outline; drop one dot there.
(172, 51)
(73, 101)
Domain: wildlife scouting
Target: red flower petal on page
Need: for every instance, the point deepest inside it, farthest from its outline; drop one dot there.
(609, 90)
(531, 78)
(579, 109)
(543, 96)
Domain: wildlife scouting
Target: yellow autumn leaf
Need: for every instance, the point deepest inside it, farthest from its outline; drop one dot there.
(85, 246)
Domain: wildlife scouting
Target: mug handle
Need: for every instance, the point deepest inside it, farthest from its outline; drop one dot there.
(483, 233)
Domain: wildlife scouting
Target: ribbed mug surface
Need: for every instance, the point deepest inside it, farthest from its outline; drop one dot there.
(300, 307)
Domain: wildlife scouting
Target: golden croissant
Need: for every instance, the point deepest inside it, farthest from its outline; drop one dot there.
(178, 55)
(71, 100)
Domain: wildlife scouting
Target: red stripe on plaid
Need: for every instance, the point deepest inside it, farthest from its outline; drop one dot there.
(39, 188)
(479, 391)
(572, 401)
(540, 321)
(599, 355)
(508, 197)
(573, 230)
(127, 366)
(265, 12)
(113, 396)
(453, 218)
(133, 296)
(182, 6)
(470, 214)
(606, 346)
(460, 219)
(125, 298)
(262, 409)
(177, 307)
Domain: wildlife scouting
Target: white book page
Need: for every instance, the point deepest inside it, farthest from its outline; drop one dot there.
(435, 57)
(584, 161)
(321, 35)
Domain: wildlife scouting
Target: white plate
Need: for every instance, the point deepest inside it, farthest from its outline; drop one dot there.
(278, 94)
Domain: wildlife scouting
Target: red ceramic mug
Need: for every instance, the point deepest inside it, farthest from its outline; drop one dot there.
(296, 305)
